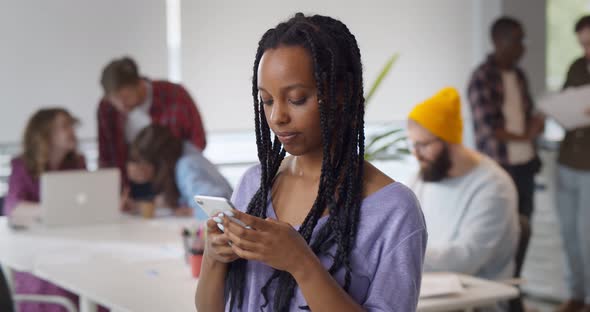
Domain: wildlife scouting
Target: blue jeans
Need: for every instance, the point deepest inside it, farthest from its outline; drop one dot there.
(573, 210)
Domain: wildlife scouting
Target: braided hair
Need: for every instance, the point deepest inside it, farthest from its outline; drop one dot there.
(339, 81)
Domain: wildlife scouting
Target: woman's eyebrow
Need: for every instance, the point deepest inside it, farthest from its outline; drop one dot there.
(289, 87)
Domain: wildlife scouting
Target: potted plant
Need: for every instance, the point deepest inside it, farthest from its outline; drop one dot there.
(389, 143)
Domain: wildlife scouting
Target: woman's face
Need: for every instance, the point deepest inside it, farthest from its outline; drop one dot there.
(288, 90)
(584, 40)
(63, 134)
(127, 98)
(140, 171)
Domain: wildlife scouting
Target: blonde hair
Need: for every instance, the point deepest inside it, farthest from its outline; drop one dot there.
(37, 140)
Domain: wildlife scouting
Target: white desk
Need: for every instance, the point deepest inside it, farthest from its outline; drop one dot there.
(165, 285)
(134, 266)
(478, 293)
(139, 266)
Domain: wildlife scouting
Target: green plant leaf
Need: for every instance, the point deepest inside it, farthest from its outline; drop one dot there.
(380, 151)
(387, 145)
(382, 136)
(404, 151)
(386, 69)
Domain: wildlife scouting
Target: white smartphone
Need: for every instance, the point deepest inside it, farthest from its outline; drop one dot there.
(212, 206)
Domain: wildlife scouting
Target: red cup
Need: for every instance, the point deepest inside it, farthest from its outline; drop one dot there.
(195, 260)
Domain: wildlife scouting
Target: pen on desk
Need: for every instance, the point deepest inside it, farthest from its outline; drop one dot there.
(199, 242)
(199, 234)
(185, 239)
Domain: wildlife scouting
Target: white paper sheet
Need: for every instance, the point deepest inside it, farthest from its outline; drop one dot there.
(568, 107)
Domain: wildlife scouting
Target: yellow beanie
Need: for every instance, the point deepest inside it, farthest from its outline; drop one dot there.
(441, 115)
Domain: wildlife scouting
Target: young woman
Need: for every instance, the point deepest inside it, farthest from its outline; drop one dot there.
(328, 231)
(49, 144)
(176, 170)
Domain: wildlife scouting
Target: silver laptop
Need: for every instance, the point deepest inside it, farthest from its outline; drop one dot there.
(80, 197)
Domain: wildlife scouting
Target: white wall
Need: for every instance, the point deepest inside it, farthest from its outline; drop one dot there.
(52, 53)
(532, 14)
(434, 39)
(485, 12)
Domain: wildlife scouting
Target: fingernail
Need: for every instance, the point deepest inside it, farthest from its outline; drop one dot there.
(221, 215)
(220, 226)
(229, 213)
(218, 220)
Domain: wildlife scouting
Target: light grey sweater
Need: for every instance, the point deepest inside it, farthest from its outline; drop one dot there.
(472, 222)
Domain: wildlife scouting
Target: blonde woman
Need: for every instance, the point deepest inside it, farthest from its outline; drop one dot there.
(49, 144)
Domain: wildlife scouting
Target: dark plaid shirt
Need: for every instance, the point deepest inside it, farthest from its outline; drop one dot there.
(172, 106)
(486, 97)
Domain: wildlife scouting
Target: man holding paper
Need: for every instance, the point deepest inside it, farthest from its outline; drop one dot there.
(573, 194)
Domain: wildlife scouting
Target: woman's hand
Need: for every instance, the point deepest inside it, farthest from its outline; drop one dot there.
(217, 246)
(536, 127)
(127, 203)
(275, 243)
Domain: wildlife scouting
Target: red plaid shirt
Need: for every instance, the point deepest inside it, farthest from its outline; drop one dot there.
(486, 96)
(172, 106)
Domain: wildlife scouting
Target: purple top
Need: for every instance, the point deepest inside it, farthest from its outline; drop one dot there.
(386, 259)
(24, 187)
(21, 186)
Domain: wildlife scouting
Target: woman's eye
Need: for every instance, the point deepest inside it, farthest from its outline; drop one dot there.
(298, 101)
(265, 102)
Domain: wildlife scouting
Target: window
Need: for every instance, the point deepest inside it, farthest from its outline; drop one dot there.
(562, 45)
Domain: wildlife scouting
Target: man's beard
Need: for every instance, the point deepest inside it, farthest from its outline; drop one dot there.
(437, 169)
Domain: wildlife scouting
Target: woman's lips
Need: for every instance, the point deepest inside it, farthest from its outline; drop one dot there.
(287, 137)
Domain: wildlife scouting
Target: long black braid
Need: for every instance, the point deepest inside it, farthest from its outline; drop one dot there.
(339, 82)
